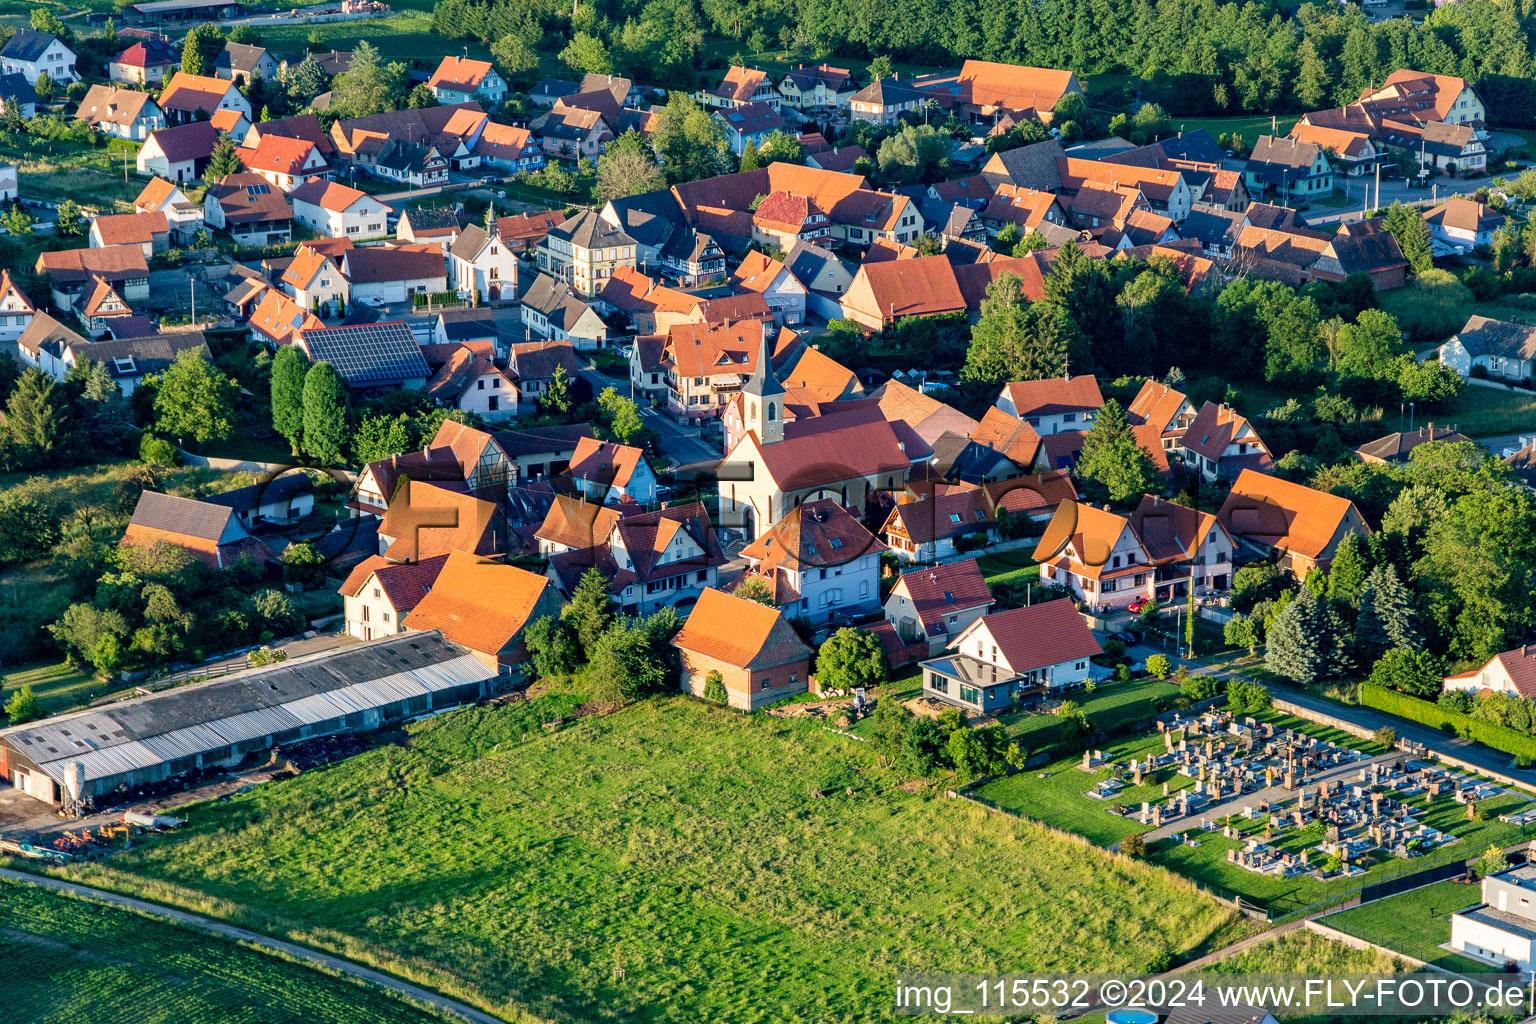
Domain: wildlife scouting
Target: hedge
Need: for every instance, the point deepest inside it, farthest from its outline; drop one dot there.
(1499, 737)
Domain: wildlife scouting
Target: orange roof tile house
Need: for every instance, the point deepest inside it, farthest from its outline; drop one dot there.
(213, 533)
(1298, 526)
(483, 606)
(758, 655)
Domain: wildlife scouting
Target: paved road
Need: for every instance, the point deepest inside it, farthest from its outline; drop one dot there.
(680, 444)
(228, 931)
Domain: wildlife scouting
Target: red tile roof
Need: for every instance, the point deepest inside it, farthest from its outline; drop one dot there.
(1039, 635)
(740, 632)
(942, 589)
(1055, 395)
(404, 583)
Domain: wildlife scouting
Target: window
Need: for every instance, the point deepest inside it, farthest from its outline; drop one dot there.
(970, 695)
(766, 683)
(938, 684)
(480, 385)
(385, 616)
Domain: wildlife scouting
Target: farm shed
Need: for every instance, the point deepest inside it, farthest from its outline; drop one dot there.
(74, 758)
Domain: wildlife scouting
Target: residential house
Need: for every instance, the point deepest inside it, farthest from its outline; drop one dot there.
(440, 224)
(369, 357)
(771, 279)
(211, 532)
(571, 133)
(820, 562)
(934, 605)
(277, 319)
(1463, 223)
(145, 63)
(524, 232)
(1494, 348)
(30, 53)
(951, 520)
(281, 500)
(315, 281)
(193, 97)
(612, 473)
(1296, 255)
(1298, 526)
(1513, 672)
(285, 163)
(1006, 434)
(242, 64)
(652, 560)
(508, 149)
(1350, 152)
(534, 365)
(103, 306)
(1425, 98)
(749, 124)
(924, 415)
(391, 274)
(232, 124)
(16, 95)
(542, 452)
(1035, 166)
(584, 251)
(184, 217)
(43, 342)
(547, 91)
(16, 310)
(739, 87)
(1453, 148)
(1053, 405)
(460, 80)
(334, 210)
(824, 277)
(471, 381)
(886, 101)
(553, 311)
(481, 266)
(413, 164)
(1501, 930)
(752, 648)
(427, 519)
(149, 231)
(417, 145)
(1289, 170)
(817, 88)
(73, 273)
(378, 594)
(1010, 656)
(706, 365)
(1160, 407)
(885, 291)
(121, 113)
(1166, 190)
(576, 524)
(1220, 443)
(302, 127)
(483, 606)
(250, 209)
(1396, 448)
(1156, 553)
(178, 154)
(985, 91)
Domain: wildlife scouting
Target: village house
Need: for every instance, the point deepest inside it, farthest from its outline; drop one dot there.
(824, 277)
(303, 127)
(612, 473)
(884, 291)
(575, 524)
(1054, 404)
(149, 231)
(760, 273)
(369, 357)
(184, 216)
(739, 87)
(242, 64)
(334, 210)
(121, 113)
(749, 124)
(584, 251)
(1493, 348)
(16, 310)
(1350, 152)
(553, 311)
(178, 154)
(706, 365)
(540, 453)
(821, 87)
(1463, 223)
(1501, 930)
(1167, 411)
(389, 275)
(886, 101)
(951, 520)
(145, 63)
(534, 365)
(440, 224)
(1395, 448)
(285, 163)
(1512, 672)
(460, 80)
(1166, 191)
(102, 307)
(18, 97)
(934, 605)
(986, 91)
(1155, 553)
(425, 520)
(30, 53)
(412, 146)
(212, 533)
(483, 606)
(819, 561)
(471, 381)
(1425, 98)
(73, 273)
(757, 656)
(1288, 170)
(43, 343)
(378, 594)
(523, 233)
(277, 318)
(1014, 655)
(1453, 148)
(508, 149)
(652, 560)
(194, 97)
(1298, 526)
(250, 209)
(282, 500)
(232, 124)
(571, 133)
(481, 267)
(1297, 255)
(1221, 443)
(314, 278)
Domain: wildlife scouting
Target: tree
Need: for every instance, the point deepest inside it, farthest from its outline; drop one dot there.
(1113, 466)
(1492, 861)
(1419, 673)
(1478, 572)
(1386, 736)
(36, 415)
(1306, 641)
(1134, 845)
(1313, 82)
(68, 221)
(557, 397)
(195, 399)
(780, 147)
(627, 168)
(551, 644)
(29, 527)
(850, 659)
(325, 413)
(690, 143)
(23, 706)
(17, 222)
(1347, 575)
(918, 152)
(590, 609)
(881, 67)
(1405, 225)
(1158, 666)
(1370, 346)
(303, 564)
(514, 55)
(714, 688)
(749, 160)
(287, 387)
(1150, 123)
(192, 55)
(379, 436)
(625, 657)
(1386, 619)
(1242, 631)
(1015, 339)
(224, 161)
(305, 80)
(367, 85)
(755, 588)
(587, 54)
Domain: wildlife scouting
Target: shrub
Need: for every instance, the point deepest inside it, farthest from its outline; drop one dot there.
(714, 688)
(23, 706)
(1386, 736)
(1437, 717)
(1158, 666)
(1114, 648)
(1134, 845)
(157, 451)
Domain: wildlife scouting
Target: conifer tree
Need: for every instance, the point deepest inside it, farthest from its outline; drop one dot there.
(1387, 620)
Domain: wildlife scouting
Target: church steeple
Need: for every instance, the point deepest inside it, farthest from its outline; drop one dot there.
(763, 396)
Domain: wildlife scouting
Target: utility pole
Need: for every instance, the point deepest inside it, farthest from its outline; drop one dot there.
(1378, 187)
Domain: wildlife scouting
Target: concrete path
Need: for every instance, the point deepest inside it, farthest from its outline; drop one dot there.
(1201, 963)
(228, 931)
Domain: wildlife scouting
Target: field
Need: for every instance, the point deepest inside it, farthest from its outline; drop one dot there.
(1413, 922)
(1110, 706)
(58, 685)
(1485, 412)
(1249, 127)
(56, 170)
(670, 862)
(69, 960)
(406, 36)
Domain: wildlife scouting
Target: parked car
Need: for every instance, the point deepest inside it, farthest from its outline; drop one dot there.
(1137, 606)
(1125, 636)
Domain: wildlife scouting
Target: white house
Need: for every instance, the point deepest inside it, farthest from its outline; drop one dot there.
(16, 310)
(178, 153)
(184, 216)
(461, 80)
(1513, 672)
(121, 113)
(551, 309)
(937, 604)
(198, 97)
(1502, 928)
(378, 593)
(612, 473)
(1463, 223)
(481, 264)
(334, 210)
(315, 281)
(391, 274)
(30, 53)
(284, 163)
(8, 183)
(820, 562)
(1503, 349)
(1221, 442)
(1018, 654)
(471, 381)
(766, 276)
(1053, 405)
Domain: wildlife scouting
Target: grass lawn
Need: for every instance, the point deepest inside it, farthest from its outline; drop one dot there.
(1249, 127)
(58, 685)
(1484, 412)
(1413, 922)
(69, 959)
(406, 36)
(1110, 706)
(1009, 567)
(92, 176)
(1304, 952)
(669, 862)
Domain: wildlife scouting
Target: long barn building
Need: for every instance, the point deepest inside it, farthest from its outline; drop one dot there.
(72, 759)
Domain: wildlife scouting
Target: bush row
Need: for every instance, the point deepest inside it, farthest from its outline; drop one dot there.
(1424, 712)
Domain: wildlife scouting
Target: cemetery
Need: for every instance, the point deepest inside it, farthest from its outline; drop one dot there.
(1280, 812)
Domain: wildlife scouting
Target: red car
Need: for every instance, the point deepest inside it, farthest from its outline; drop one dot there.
(1136, 606)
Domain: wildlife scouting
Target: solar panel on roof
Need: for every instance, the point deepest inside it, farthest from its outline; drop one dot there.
(257, 190)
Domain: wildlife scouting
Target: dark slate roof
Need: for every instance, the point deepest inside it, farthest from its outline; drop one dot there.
(27, 44)
(555, 88)
(542, 440)
(1211, 226)
(1033, 166)
(150, 354)
(650, 218)
(240, 57)
(14, 88)
(424, 218)
(590, 231)
(180, 515)
(248, 499)
(1197, 146)
(368, 354)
